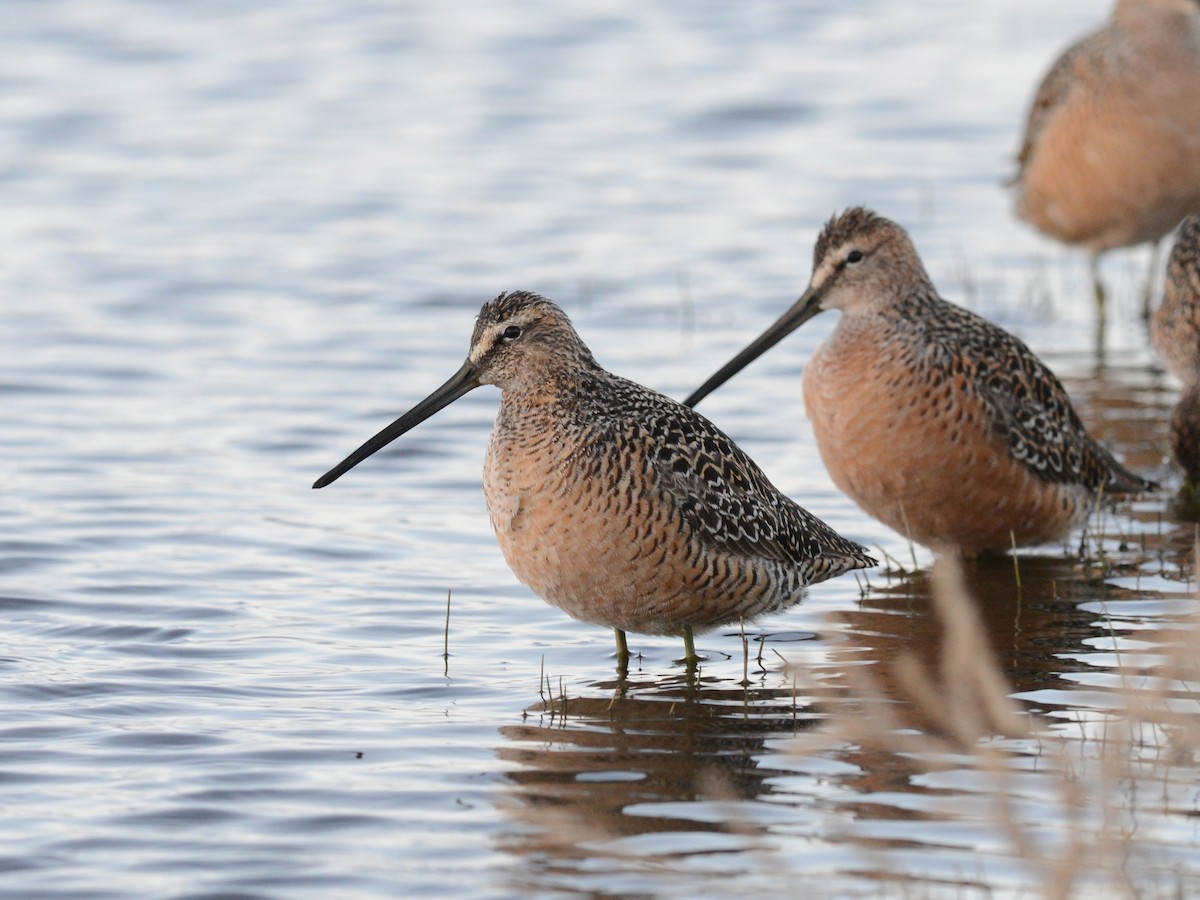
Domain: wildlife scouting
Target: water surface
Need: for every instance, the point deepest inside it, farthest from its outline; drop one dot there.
(237, 240)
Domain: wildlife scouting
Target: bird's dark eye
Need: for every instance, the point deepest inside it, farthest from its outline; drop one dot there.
(511, 333)
(854, 257)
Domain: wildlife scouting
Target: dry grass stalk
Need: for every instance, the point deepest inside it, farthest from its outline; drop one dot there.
(946, 713)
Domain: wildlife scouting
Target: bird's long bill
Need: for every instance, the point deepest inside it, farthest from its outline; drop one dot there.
(801, 311)
(464, 380)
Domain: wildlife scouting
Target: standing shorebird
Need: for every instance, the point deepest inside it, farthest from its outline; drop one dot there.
(1111, 153)
(1175, 330)
(935, 421)
(616, 504)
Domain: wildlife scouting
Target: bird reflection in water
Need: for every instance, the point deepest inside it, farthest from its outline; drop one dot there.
(655, 768)
(647, 774)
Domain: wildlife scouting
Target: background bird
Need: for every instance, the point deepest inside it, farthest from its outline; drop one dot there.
(1111, 152)
(1175, 331)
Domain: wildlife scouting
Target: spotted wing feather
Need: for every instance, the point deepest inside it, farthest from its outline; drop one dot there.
(723, 496)
(1027, 405)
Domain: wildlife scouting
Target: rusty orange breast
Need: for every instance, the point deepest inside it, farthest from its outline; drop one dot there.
(918, 452)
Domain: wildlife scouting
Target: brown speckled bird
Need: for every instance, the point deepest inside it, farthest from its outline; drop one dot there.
(1111, 153)
(935, 421)
(1175, 330)
(616, 504)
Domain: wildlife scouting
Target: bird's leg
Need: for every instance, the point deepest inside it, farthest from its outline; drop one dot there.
(1097, 285)
(689, 647)
(622, 650)
(1148, 287)
(1101, 313)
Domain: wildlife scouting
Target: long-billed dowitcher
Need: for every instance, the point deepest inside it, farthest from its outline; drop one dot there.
(1175, 330)
(1111, 152)
(935, 421)
(617, 504)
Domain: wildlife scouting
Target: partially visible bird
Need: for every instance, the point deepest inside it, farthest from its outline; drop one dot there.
(1175, 330)
(1111, 152)
(935, 421)
(616, 504)
(1185, 433)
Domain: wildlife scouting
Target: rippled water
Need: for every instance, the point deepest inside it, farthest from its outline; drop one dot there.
(238, 238)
